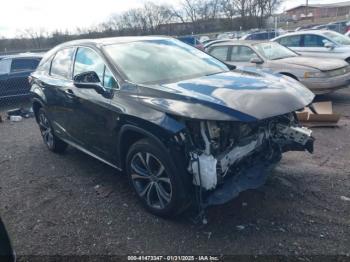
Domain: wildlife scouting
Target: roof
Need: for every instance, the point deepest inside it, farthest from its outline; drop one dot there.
(112, 40)
(334, 5)
(240, 42)
(304, 32)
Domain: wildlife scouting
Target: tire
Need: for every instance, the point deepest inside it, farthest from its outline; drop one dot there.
(52, 142)
(155, 179)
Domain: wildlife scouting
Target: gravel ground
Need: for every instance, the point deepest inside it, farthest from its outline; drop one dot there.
(72, 204)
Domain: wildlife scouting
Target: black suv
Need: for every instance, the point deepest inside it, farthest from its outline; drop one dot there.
(185, 127)
(14, 72)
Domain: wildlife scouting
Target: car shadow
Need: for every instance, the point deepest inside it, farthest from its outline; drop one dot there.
(251, 209)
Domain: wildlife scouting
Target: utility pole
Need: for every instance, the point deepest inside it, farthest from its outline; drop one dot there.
(306, 8)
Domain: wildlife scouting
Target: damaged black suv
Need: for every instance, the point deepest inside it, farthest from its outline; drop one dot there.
(180, 123)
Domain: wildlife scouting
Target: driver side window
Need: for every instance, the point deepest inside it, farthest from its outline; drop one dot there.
(88, 60)
(314, 41)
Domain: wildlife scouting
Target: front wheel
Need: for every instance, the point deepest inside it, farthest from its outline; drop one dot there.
(50, 139)
(155, 179)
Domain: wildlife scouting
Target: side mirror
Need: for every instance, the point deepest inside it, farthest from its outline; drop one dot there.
(329, 45)
(90, 80)
(256, 60)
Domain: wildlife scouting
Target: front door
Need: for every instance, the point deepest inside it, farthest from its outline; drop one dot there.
(93, 120)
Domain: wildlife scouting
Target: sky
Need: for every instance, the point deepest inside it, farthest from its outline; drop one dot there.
(49, 15)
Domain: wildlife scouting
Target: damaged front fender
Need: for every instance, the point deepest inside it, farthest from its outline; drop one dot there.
(230, 157)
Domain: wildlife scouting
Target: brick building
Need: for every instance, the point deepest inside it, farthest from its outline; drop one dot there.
(316, 11)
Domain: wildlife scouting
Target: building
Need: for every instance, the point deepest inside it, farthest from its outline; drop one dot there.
(316, 11)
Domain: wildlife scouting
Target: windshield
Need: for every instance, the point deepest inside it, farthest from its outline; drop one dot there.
(274, 51)
(337, 38)
(162, 61)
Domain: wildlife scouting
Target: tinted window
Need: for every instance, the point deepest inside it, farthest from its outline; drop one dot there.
(220, 52)
(23, 64)
(45, 66)
(88, 60)
(313, 41)
(5, 66)
(242, 54)
(62, 62)
(109, 80)
(188, 40)
(291, 41)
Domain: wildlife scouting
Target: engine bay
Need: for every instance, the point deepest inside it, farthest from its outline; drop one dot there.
(220, 148)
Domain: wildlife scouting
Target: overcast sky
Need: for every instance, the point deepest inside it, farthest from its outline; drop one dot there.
(17, 15)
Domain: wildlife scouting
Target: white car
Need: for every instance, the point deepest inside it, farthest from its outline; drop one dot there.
(317, 43)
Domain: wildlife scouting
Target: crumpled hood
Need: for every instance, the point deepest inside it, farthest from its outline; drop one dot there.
(316, 63)
(236, 95)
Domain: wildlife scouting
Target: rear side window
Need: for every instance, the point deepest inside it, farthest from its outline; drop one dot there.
(62, 63)
(220, 52)
(45, 65)
(290, 41)
(23, 64)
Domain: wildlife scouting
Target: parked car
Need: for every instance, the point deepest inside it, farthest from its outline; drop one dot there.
(207, 45)
(306, 27)
(318, 43)
(261, 35)
(340, 27)
(14, 72)
(178, 121)
(319, 75)
(191, 40)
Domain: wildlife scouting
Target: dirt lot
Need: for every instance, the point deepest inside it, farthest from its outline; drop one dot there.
(73, 204)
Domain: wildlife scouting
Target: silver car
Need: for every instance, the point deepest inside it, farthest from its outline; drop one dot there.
(319, 75)
(318, 43)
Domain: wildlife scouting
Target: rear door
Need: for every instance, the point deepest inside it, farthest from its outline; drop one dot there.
(293, 42)
(57, 86)
(220, 52)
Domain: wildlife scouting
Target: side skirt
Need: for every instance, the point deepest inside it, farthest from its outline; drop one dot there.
(91, 154)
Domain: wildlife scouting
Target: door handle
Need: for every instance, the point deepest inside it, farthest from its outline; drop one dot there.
(69, 93)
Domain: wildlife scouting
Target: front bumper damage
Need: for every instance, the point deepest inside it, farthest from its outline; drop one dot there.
(247, 160)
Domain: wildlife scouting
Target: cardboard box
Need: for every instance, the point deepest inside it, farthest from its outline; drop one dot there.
(324, 117)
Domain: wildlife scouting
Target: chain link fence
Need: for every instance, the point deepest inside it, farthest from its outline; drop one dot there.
(15, 68)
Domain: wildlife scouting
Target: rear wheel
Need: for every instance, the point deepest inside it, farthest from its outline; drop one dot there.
(50, 139)
(155, 179)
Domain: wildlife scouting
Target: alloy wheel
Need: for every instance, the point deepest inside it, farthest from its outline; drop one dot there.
(46, 130)
(150, 179)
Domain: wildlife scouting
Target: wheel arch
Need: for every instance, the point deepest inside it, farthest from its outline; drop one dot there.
(129, 134)
(289, 74)
(36, 104)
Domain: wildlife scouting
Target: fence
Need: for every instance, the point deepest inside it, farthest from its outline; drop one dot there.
(14, 73)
